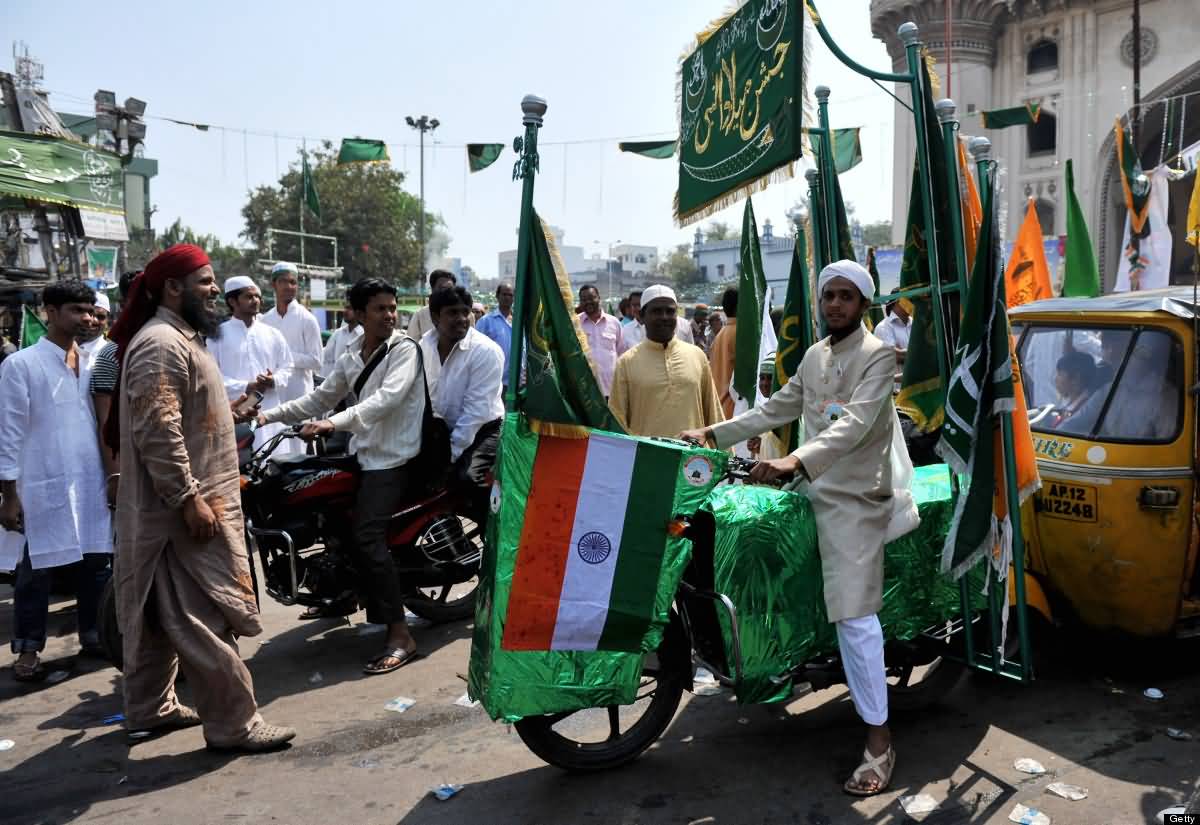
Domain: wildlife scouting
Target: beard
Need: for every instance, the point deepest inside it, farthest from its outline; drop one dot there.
(205, 321)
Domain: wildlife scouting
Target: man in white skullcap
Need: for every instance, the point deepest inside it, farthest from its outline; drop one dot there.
(253, 356)
(843, 393)
(93, 341)
(300, 329)
(663, 385)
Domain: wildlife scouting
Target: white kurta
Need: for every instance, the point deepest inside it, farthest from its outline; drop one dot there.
(303, 335)
(843, 392)
(49, 446)
(244, 353)
(342, 337)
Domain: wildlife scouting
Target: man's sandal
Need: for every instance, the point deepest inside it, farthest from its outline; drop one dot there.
(183, 717)
(24, 672)
(401, 656)
(855, 785)
(336, 610)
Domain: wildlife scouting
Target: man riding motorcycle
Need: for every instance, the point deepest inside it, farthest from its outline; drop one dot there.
(381, 379)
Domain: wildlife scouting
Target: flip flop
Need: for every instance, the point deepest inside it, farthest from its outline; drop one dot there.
(27, 673)
(875, 765)
(401, 656)
(332, 611)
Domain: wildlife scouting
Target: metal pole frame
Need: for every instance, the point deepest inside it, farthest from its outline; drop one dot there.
(534, 109)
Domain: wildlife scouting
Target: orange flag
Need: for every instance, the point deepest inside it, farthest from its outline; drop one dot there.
(972, 211)
(1028, 276)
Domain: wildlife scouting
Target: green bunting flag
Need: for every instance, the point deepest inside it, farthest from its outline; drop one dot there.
(361, 150)
(1082, 276)
(482, 155)
(309, 188)
(981, 387)
(922, 393)
(658, 149)
(561, 392)
(795, 332)
(740, 106)
(33, 328)
(748, 349)
(1016, 116)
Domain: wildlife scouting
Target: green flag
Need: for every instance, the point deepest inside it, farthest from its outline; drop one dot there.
(847, 149)
(1082, 276)
(1136, 188)
(482, 155)
(844, 248)
(981, 387)
(309, 188)
(361, 150)
(561, 392)
(741, 108)
(875, 314)
(795, 332)
(1016, 116)
(659, 149)
(921, 392)
(755, 336)
(32, 328)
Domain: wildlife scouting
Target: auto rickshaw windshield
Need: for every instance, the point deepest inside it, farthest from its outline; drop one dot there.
(1121, 384)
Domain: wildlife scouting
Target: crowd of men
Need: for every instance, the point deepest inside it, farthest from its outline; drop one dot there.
(141, 424)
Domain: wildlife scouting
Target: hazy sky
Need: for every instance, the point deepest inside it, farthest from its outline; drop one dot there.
(332, 70)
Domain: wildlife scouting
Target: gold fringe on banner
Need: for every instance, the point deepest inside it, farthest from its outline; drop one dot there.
(783, 173)
(935, 81)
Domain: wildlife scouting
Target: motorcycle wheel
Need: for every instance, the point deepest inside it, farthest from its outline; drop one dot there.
(106, 624)
(452, 602)
(597, 739)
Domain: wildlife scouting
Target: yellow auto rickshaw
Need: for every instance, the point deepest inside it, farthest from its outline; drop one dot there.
(1112, 536)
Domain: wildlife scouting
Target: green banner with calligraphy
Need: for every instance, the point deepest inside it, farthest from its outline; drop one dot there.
(54, 170)
(741, 106)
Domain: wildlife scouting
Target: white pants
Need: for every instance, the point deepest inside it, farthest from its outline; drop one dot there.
(861, 643)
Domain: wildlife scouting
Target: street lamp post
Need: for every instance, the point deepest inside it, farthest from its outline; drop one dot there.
(422, 124)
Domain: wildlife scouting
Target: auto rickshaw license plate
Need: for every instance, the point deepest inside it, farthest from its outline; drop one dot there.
(1073, 502)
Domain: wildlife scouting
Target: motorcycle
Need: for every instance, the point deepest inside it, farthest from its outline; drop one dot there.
(299, 521)
(920, 671)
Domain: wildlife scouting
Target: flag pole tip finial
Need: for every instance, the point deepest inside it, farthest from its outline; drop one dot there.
(534, 109)
(946, 109)
(980, 148)
(910, 33)
(822, 93)
(811, 176)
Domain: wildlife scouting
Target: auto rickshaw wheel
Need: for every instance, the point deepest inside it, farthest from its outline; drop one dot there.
(920, 674)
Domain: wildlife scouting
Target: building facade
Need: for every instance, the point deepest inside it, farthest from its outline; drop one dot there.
(720, 262)
(1074, 58)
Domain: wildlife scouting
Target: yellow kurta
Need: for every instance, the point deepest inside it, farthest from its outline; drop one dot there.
(662, 390)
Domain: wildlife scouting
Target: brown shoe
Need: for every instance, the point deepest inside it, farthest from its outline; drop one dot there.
(262, 738)
(183, 717)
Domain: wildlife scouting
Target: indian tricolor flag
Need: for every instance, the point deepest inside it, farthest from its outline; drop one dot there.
(592, 544)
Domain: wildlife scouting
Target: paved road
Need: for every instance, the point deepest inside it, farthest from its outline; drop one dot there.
(720, 764)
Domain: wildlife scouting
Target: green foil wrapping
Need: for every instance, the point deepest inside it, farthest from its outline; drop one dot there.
(512, 684)
(766, 561)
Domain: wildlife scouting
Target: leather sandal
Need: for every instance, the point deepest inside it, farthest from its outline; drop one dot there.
(402, 657)
(261, 738)
(872, 765)
(23, 672)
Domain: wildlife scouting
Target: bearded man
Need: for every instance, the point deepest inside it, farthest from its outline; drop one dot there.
(843, 392)
(184, 587)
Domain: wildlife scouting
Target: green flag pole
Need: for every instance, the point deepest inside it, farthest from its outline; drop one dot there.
(526, 167)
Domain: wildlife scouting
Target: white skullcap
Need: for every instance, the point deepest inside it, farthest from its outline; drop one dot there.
(478, 306)
(283, 266)
(653, 293)
(238, 282)
(102, 301)
(850, 270)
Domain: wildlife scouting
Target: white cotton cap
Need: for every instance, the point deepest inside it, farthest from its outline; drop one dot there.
(850, 270)
(284, 266)
(238, 282)
(102, 301)
(657, 291)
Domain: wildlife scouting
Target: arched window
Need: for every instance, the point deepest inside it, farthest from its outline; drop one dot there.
(1045, 213)
(1042, 57)
(1042, 137)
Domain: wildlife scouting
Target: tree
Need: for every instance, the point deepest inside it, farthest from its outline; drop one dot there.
(878, 233)
(227, 260)
(719, 231)
(363, 205)
(679, 267)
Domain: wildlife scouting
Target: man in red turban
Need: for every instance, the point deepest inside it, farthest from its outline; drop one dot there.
(184, 589)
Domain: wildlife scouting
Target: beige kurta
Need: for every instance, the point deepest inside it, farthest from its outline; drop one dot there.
(720, 356)
(177, 441)
(661, 390)
(843, 391)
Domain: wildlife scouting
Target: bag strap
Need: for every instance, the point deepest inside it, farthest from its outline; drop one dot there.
(428, 415)
(375, 361)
